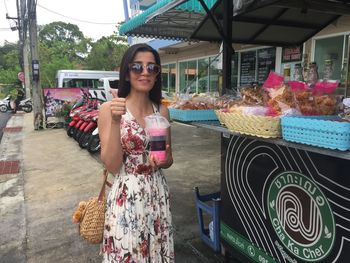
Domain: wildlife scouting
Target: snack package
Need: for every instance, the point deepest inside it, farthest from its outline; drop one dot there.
(303, 97)
(253, 95)
(345, 115)
(318, 100)
(325, 100)
(274, 80)
(201, 101)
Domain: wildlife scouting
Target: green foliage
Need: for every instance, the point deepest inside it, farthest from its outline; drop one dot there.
(61, 46)
(64, 111)
(65, 40)
(9, 68)
(106, 53)
(51, 61)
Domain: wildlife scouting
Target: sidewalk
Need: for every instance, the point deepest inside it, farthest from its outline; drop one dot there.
(38, 199)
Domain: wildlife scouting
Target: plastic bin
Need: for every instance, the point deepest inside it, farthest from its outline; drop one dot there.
(213, 210)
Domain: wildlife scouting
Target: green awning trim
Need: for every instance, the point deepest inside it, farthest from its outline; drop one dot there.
(190, 6)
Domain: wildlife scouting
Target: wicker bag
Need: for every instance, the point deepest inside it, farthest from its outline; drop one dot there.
(93, 217)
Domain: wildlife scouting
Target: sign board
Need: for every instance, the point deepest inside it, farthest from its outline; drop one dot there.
(266, 62)
(20, 76)
(248, 60)
(292, 54)
(55, 98)
(282, 204)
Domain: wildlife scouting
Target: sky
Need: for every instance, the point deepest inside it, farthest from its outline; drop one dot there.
(95, 18)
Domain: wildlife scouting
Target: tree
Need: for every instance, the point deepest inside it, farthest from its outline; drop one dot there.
(66, 40)
(106, 53)
(62, 46)
(9, 66)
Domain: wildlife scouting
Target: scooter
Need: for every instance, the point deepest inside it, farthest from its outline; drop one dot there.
(4, 104)
(24, 105)
(94, 142)
(81, 105)
(85, 123)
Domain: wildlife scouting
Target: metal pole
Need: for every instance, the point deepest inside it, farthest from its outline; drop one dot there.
(36, 87)
(347, 71)
(227, 46)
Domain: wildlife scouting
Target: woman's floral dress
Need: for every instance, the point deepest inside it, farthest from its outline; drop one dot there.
(138, 227)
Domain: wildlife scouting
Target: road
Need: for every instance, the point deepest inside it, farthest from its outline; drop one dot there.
(4, 117)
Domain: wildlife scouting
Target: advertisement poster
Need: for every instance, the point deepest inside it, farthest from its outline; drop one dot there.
(55, 98)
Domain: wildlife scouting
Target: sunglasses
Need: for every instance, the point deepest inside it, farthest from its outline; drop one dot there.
(138, 67)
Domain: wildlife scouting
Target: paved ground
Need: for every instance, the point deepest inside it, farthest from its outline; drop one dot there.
(36, 203)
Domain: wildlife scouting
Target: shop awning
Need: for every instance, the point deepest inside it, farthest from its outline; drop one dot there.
(274, 22)
(167, 19)
(263, 22)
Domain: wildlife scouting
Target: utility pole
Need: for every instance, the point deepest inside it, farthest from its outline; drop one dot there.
(37, 96)
(25, 48)
(23, 44)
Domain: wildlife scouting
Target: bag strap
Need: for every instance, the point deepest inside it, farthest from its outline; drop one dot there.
(102, 192)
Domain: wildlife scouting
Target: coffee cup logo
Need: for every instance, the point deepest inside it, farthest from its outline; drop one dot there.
(301, 216)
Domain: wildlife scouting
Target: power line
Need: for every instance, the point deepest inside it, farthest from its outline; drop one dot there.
(76, 19)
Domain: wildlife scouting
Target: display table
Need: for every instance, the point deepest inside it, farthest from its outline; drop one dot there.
(282, 201)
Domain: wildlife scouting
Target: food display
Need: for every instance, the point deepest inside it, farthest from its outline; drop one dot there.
(276, 98)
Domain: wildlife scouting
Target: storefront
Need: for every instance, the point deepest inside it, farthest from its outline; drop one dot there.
(280, 201)
(185, 61)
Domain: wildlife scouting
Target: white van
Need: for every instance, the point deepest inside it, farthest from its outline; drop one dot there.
(82, 78)
(70, 78)
(107, 84)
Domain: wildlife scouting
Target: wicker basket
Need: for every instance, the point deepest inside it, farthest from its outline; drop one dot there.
(221, 116)
(261, 126)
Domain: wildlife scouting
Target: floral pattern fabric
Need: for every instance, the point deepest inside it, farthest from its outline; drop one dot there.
(138, 227)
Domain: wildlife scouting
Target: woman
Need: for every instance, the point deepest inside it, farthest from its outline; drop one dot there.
(138, 219)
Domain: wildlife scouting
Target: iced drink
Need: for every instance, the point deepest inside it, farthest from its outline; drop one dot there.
(157, 138)
(156, 128)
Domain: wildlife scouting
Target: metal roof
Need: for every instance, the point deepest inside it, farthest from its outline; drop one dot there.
(263, 22)
(167, 19)
(274, 22)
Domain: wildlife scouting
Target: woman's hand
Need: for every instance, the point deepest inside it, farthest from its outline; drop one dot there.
(117, 106)
(156, 163)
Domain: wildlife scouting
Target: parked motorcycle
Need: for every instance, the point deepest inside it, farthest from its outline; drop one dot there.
(82, 104)
(24, 105)
(94, 142)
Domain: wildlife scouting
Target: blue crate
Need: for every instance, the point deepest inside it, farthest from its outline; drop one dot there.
(192, 115)
(211, 239)
(323, 131)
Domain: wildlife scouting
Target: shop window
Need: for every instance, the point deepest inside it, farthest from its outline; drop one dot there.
(168, 78)
(329, 49)
(172, 77)
(214, 75)
(188, 76)
(165, 78)
(203, 80)
(200, 75)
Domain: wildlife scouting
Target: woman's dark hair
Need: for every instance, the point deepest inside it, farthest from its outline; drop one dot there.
(155, 93)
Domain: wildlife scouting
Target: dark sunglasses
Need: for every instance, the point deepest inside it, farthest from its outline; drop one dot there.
(138, 67)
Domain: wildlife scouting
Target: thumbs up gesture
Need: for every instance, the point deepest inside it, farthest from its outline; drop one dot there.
(117, 106)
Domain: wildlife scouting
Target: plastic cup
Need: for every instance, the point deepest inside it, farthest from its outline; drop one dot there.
(157, 138)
